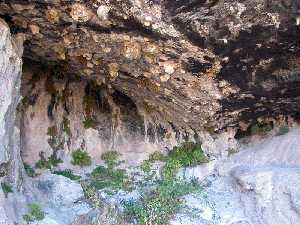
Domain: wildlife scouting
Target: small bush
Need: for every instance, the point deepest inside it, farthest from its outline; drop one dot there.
(35, 213)
(6, 188)
(110, 158)
(29, 170)
(103, 177)
(188, 154)
(67, 173)
(81, 158)
(157, 156)
(52, 161)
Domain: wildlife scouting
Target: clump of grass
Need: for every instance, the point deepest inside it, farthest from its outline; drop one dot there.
(103, 177)
(81, 158)
(283, 130)
(67, 173)
(35, 213)
(158, 206)
(6, 188)
(157, 156)
(29, 170)
(44, 163)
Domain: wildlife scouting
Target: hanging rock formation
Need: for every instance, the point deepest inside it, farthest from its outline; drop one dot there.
(193, 64)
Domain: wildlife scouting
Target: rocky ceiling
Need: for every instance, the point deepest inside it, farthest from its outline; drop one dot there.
(191, 63)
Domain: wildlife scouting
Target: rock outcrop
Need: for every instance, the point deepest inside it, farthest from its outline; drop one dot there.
(258, 185)
(192, 65)
(137, 76)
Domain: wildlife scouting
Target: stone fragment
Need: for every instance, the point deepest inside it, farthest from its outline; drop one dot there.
(80, 13)
(53, 15)
(34, 29)
(113, 70)
(102, 12)
(165, 78)
(132, 50)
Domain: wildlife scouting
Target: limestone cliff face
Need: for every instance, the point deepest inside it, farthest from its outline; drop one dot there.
(192, 65)
(10, 80)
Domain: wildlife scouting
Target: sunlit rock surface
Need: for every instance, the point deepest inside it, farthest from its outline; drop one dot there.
(258, 185)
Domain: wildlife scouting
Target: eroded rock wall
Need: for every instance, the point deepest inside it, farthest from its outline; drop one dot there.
(10, 79)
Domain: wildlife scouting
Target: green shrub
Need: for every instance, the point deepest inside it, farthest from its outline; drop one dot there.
(159, 206)
(6, 188)
(170, 169)
(52, 161)
(103, 177)
(111, 158)
(67, 173)
(188, 154)
(81, 158)
(35, 213)
(157, 156)
(146, 166)
(283, 130)
(29, 170)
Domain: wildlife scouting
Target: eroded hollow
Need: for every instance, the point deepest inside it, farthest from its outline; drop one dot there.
(61, 113)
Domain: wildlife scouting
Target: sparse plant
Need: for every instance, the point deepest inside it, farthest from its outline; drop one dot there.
(35, 213)
(157, 156)
(91, 195)
(6, 188)
(67, 173)
(81, 158)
